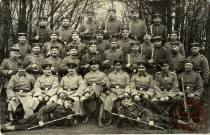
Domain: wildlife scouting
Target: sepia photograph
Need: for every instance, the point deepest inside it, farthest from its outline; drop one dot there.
(104, 67)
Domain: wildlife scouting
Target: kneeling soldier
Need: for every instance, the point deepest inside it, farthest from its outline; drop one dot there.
(45, 88)
(73, 85)
(97, 81)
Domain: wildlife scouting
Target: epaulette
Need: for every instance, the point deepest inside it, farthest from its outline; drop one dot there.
(203, 56)
(173, 73)
(157, 73)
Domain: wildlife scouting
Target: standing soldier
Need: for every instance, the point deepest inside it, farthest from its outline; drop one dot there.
(111, 55)
(97, 83)
(163, 103)
(22, 45)
(9, 67)
(125, 41)
(34, 60)
(112, 26)
(157, 29)
(143, 86)
(65, 31)
(120, 87)
(173, 37)
(73, 86)
(177, 58)
(137, 27)
(200, 63)
(19, 92)
(54, 60)
(45, 88)
(53, 42)
(87, 30)
(42, 33)
(102, 45)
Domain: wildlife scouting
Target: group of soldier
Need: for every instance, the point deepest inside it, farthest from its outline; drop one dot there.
(137, 69)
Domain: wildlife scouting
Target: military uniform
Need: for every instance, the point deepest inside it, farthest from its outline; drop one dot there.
(73, 86)
(43, 33)
(81, 48)
(46, 49)
(137, 28)
(24, 49)
(20, 86)
(45, 86)
(146, 50)
(55, 62)
(178, 63)
(68, 59)
(158, 30)
(65, 33)
(119, 82)
(181, 47)
(125, 46)
(103, 46)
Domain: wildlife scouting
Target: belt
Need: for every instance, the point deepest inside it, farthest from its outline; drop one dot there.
(94, 84)
(72, 89)
(46, 87)
(117, 86)
(21, 90)
(165, 89)
(141, 88)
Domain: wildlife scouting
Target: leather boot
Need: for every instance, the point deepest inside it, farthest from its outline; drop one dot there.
(101, 109)
(110, 116)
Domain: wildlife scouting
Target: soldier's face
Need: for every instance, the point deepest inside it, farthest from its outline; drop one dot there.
(147, 38)
(135, 15)
(112, 15)
(53, 37)
(21, 70)
(141, 69)
(93, 48)
(71, 71)
(73, 52)
(94, 67)
(118, 67)
(54, 52)
(65, 23)
(42, 23)
(114, 45)
(157, 20)
(75, 37)
(195, 50)
(67, 104)
(99, 37)
(157, 43)
(14, 55)
(36, 49)
(126, 102)
(125, 33)
(135, 48)
(165, 67)
(90, 16)
(188, 67)
(47, 71)
(22, 39)
(173, 37)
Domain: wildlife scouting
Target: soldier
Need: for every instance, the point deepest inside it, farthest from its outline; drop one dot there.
(53, 42)
(120, 87)
(76, 42)
(33, 61)
(45, 88)
(137, 27)
(102, 45)
(125, 41)
(73, 86)
(157, 29)
(45, 114)
(163, 102)
(22, 45)
(143, 86)
(97, 83)
(9, 67)
(133, 58)
(87, 30)
(42, 33)
(92, 54)
(72, 58)
(111, 55)
(200, 63)
(65, 31)
(158, 54)
(112, 25)
(54, 60)
(177, 58)
(19, 92)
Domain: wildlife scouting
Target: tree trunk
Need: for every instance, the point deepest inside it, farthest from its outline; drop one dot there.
(22, 17)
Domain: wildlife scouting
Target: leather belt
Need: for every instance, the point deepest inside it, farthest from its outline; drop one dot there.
(94, 84)
(117, 86)
(72, 89)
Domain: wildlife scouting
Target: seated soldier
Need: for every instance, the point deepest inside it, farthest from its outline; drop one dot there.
(73, 86)
(19, 92)
(163, 102)
(96, 81)
(63, 108)
(119, 81)
(130, 111)
(143, 86)
(45, 88)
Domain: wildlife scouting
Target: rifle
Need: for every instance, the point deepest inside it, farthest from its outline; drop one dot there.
(52, 121)
(2, 84)
(139, 121)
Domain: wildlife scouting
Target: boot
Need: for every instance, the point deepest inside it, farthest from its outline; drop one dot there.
(75, 122)
(110, 119)
(10, 116)
(86, 119)
(101, 109)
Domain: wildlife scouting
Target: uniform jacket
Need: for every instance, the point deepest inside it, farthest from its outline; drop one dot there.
(134, 58)
(46, 48)
(43, 33)
(80, 49)
(178, 63)
(65, 33)
(146, 50)
(181, 48)
(112, 26)
(91, 26)
(160, 54)
(31, 59)
(55, 62)
(103, 46)
(68, 59)
(113, 55)
(125, 46)
(88, 57)
(138, 28)
(158, 30)
(24, 49)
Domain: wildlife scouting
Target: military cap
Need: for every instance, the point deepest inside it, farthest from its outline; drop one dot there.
(147, 33)
(54, 47)
(134, 43)
(72, 65)
(142, 64)
(173, 32)
(69, 98)
(124, 28)
(90, 12)
(43, 18)
(75, 32)
(175, 43)
(36, 45)
(14, 49)
(188, 61)
(157, 15)
(125, 97)
(94, 61)
(73, 47)
(134, 11)
(195, 45)
(157, 38)
(54, 32)
(99, 32)
(112, 10)
(112, 40)
(163, 62)
(64, 17)
(93, 42)
(44, 66)
(118, 62)
(21, 64)
(22, 34)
